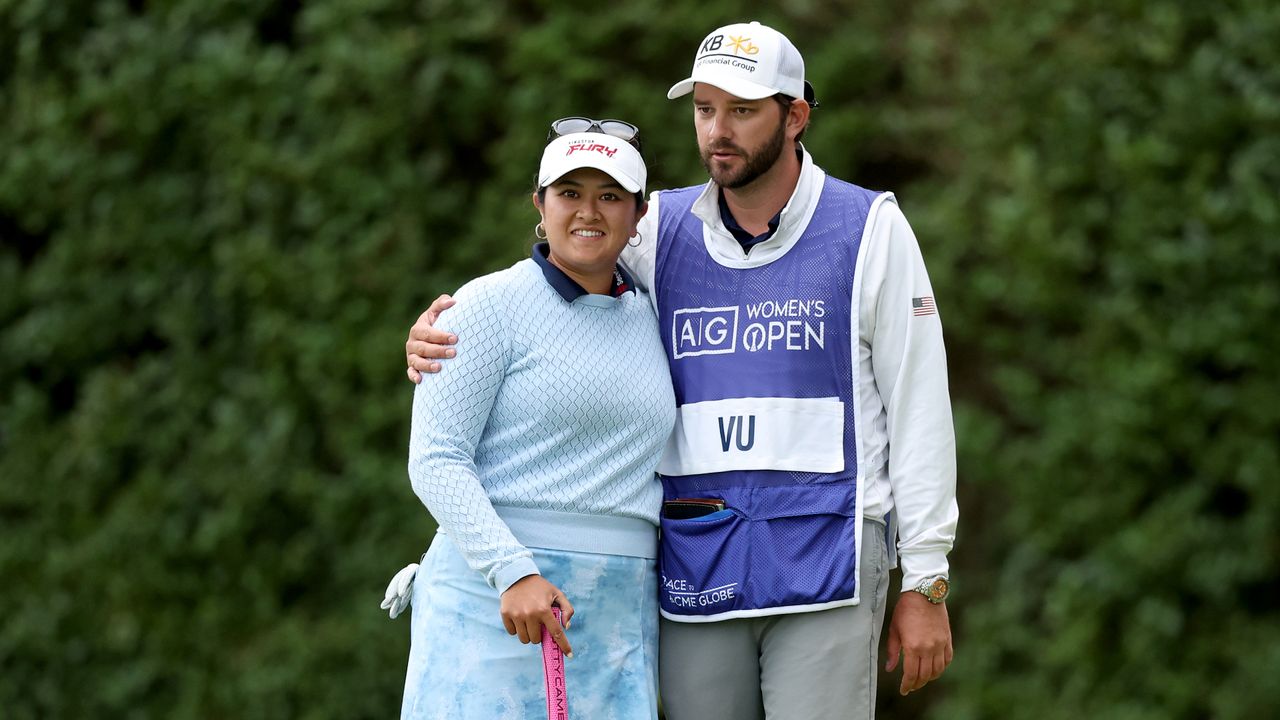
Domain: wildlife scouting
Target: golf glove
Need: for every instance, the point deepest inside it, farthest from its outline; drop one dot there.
(400, 590)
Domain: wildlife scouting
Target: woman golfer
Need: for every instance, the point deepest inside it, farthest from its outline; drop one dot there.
(535, 451)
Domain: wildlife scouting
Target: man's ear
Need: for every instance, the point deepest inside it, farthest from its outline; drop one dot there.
(797, 118)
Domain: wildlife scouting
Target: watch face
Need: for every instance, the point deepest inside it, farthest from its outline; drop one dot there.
(938, 590)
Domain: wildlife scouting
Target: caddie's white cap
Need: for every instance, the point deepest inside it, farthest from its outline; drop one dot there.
(606, 153)
(747, 60)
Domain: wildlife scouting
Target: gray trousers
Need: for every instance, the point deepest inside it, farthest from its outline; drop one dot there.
(807, 666)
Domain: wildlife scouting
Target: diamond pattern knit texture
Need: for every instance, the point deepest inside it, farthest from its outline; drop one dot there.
(548, 405)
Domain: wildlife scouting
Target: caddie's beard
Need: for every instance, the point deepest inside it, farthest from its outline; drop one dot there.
(755, 163)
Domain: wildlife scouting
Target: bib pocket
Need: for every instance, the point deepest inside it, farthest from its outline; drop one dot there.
(803, 559)
(772, 547)
(703, 562)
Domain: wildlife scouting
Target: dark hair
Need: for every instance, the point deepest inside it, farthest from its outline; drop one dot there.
(784, 101)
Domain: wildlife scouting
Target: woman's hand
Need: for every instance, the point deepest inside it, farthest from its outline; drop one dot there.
(526, 607)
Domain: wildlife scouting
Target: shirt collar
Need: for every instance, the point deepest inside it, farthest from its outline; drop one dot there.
(795, 218)
(566, 287)
(741, 234)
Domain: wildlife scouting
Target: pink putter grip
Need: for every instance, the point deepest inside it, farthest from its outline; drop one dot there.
(553, 674)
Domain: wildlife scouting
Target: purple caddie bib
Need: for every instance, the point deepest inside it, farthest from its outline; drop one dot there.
(762, 361)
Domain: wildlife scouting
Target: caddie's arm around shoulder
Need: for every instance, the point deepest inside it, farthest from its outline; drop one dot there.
(427, 344)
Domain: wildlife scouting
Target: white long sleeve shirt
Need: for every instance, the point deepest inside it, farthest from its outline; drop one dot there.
(908, 407)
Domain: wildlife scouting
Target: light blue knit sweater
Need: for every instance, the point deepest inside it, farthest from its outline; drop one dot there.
(546, 428)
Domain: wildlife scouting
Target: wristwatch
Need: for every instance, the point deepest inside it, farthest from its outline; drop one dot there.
(935, 589)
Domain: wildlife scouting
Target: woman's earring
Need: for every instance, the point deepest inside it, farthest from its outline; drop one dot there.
(638, 239)
(539, 232)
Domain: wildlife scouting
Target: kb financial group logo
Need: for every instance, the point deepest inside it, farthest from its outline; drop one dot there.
(738, 52)
(789, 325)
(739, 45)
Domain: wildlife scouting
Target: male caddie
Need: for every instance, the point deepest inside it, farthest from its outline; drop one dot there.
(807, 358)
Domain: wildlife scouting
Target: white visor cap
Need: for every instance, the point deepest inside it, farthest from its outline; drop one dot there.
(606, 153)
(746, 60)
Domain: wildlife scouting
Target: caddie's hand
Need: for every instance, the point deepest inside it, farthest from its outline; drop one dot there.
(426, 343)
(526, 607)
(400, 590)
(921, 634)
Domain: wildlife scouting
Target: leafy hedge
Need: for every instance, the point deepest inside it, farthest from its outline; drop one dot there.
(218, 217)
(1113, 186)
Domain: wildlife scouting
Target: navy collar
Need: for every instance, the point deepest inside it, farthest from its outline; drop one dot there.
(566, 287)
(745, 238)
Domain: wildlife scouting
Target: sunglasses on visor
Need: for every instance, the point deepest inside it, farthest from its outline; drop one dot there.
(617, 128)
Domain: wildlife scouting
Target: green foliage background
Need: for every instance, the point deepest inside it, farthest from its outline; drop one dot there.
(219, 217)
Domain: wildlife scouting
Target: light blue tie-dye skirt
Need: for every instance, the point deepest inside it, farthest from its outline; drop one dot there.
(464, 666)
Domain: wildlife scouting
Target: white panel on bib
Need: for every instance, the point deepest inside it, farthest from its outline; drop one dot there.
(797, 434)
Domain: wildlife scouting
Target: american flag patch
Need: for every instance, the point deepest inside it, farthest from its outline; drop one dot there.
(923, 306)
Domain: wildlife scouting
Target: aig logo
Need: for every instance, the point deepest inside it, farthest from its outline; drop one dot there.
(704, 331)
(739, 45)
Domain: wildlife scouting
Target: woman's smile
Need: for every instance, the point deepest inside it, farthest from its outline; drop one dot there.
(588, 218)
